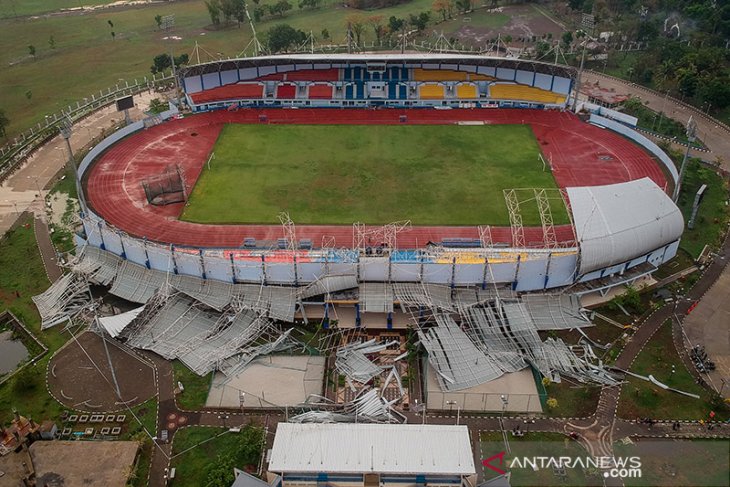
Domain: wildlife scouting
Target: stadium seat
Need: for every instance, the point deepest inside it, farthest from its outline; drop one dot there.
(447, 75)
(320, 92)
(286, 91)
(431, 91)
(304, 75)
(523, 92)
(467, 91)
(236, 91)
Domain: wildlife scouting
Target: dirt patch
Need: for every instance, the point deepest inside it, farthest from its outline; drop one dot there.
(79, 376)
(525, 22)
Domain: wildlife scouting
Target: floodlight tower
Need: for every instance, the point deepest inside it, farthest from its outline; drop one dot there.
(168, 22)
(66, 128)
(691, 131)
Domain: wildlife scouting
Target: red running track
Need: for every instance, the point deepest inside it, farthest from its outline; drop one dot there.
(581, 155)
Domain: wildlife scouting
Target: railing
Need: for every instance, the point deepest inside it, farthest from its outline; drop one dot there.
(13, 153)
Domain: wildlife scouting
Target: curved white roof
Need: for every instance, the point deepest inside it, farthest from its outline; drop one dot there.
(619, 222)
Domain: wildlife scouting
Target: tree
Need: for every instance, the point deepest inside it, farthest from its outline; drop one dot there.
(158, 21)
(161, 62)
(239, 11)
(567, 39)
(29, 94)
(325, 34)
(114, 35)
(214, 10)
(31, 49)
(111, 24)
(281, 37)
(463, 5)
(442, 7)
(280, 8)
(157, 106)
(52, 42)
(395, 24)
(378, 25)
(4, 122)
(356, 23)
(551, 403)
(220, 472)
(420, 21)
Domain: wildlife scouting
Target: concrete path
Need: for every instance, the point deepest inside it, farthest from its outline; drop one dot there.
(715, 135)
(21, 189)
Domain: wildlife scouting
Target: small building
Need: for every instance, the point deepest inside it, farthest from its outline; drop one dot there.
(605, 97)
(48, 430)
(371, 455)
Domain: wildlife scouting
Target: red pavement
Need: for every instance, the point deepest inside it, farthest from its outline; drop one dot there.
(580, 154)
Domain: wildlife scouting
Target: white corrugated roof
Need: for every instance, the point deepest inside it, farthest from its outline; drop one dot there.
(114, 325)
(619, 222)
(378, 448)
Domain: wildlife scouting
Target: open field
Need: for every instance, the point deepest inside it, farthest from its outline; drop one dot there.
(338, 174)
(534, 444)
(85, 58)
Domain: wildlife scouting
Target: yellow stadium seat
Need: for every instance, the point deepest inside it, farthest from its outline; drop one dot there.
(431, 92)
(526, 93)
(466, 90)
(447, 75)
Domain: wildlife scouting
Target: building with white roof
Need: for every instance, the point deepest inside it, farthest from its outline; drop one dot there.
(347, 454)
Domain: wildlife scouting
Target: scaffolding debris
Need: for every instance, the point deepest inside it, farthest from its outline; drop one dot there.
(63, 300)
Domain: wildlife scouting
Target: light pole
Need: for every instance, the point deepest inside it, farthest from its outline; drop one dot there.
(451, 405)
(691, 131)
(241, 399)
(224, 417)
(37, 187)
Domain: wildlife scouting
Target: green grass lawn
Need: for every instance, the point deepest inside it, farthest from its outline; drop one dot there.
(201, 454)
(712, 215)
(196, 387)
(340, 174)
(21, 271)
(529, 445)
(640, 398)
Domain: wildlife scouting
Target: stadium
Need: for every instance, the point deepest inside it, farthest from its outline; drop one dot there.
(457, 194)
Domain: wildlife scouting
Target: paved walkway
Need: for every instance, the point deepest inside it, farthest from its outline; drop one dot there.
(714, 135)
(19, 191)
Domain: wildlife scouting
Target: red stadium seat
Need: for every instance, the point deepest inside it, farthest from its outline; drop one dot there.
(320, 92)
(238, 91)
(286, 91)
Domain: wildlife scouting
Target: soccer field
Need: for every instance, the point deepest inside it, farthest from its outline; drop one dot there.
(376, 174)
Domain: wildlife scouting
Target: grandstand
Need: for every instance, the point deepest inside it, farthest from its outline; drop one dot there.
(387, 80)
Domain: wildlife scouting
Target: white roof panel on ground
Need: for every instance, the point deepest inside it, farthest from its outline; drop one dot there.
(619, 222)
(378, 448)
(114, 325)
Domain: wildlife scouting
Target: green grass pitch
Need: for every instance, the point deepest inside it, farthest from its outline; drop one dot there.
(376, 174)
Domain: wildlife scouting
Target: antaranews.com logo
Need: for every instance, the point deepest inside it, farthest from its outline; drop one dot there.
(613, 467)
